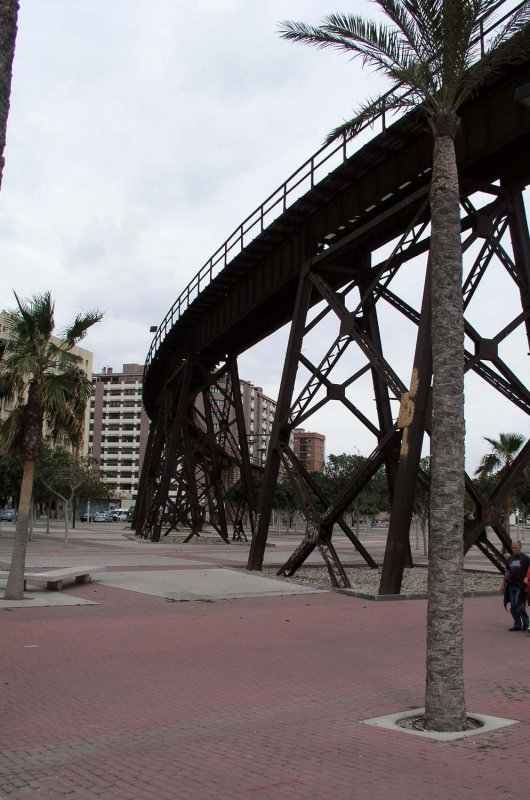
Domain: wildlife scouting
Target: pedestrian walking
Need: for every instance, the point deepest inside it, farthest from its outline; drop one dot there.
(514, 587)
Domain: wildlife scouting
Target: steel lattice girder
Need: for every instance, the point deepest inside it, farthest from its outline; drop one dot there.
(198, 465)
(174, 466)
(295, 270)
(414, 416)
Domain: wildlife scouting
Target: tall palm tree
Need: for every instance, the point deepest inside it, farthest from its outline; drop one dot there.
(502, 453)
(41, 381)
(426, 49)
(8, 35)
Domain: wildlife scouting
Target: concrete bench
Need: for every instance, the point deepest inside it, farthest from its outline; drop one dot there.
(54, 578)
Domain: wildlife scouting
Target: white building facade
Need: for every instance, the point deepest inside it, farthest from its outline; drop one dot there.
(118, 429)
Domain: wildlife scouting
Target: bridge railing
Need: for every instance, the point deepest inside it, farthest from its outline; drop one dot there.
(317, 167)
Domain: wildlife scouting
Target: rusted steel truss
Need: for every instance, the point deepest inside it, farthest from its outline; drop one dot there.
(487, 232)
(198, 469)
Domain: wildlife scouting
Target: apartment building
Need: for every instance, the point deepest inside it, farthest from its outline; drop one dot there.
(310, 448)
(118, 428)
(258, 413)
(85, 363)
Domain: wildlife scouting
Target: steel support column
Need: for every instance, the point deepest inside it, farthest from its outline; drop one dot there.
(412, 421)
(246, 471)
(520, 237)
(280, 430)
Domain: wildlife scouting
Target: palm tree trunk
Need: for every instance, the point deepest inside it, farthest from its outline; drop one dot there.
(444, 694)
(15, 581)
(8, 35)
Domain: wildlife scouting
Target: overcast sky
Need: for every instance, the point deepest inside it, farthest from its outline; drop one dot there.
(141, 133)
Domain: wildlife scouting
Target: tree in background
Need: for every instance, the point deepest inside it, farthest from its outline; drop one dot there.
(422, 501)
(426, 49)
(66, 476)
(8, 36)
(41, 381)
(10, 476)
(501, 456)
(337, 473)
(522, 495)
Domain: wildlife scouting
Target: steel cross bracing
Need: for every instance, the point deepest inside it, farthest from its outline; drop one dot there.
(488, 225)
(198, 465)
(319, 262)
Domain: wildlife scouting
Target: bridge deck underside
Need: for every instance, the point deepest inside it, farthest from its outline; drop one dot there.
(361, 205)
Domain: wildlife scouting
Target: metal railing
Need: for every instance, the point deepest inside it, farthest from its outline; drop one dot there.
(305, 178)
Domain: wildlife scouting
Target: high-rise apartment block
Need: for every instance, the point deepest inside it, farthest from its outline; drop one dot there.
(310, 448)
(258, 410)
(118, 428)
(258, 414)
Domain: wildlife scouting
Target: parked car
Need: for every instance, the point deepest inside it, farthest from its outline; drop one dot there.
(119, 515)
(8, 514)
(85, 518)
(103, 516)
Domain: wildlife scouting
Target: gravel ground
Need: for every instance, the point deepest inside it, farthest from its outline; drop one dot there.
(366, 580)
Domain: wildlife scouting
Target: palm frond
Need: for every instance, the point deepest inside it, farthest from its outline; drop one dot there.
(489, 465)
(377, 45)
(513, 26)
(511, 443)
(12, 430)
(22, 364)
(65, 389)
(429, 47)
(503, 451)
(10, 386)
(418, 23)
(37, 370)
(367, 113)
(36, 317)
(60, 356)
(66, 398)
(510, 46)
(78, 329)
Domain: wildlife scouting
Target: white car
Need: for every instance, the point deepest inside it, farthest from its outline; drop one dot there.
(103, 516)
(119, 515)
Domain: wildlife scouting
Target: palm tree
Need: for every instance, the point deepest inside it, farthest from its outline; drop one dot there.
(502, 453)
(426, 49)
(41, 381)
(8, 35)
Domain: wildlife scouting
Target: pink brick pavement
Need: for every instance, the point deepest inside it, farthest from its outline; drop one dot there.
(257, 698)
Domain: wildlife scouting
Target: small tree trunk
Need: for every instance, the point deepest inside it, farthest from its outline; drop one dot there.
(424, 521)
(15, 581)
(66, 505)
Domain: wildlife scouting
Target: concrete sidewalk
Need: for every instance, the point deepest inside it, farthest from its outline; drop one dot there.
(140, 566)
(138, 695)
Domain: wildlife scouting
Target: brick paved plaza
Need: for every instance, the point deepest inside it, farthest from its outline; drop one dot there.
(136, 694)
